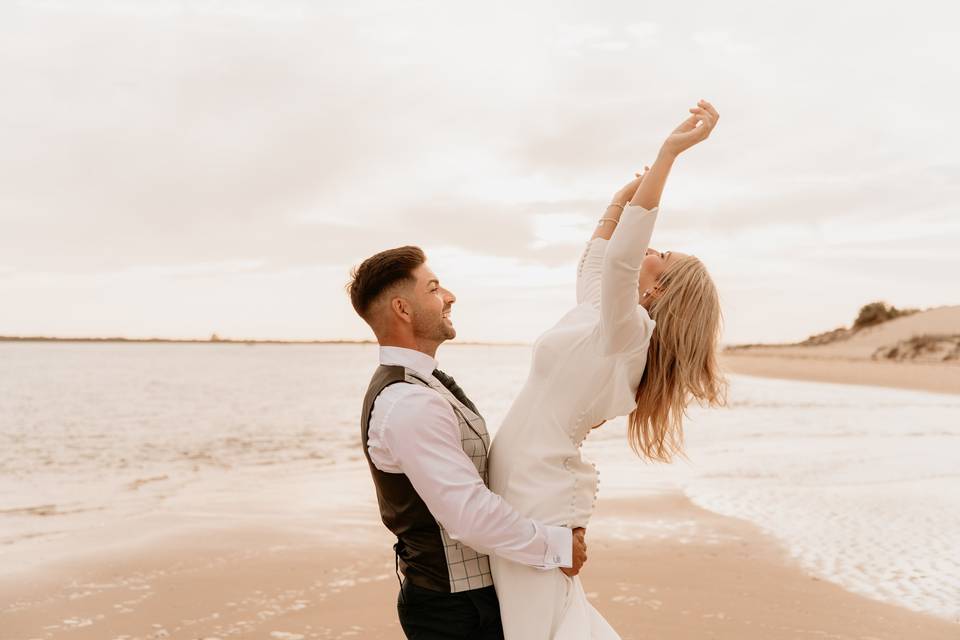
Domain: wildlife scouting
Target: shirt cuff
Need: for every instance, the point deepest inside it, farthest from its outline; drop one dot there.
(559, 548)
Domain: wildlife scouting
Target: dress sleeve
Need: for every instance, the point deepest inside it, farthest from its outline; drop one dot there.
(588, 272)
(623, 323)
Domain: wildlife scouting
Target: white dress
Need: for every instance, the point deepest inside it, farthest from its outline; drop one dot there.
(584, 370)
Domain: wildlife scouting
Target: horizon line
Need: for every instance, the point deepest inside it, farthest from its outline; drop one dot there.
(276, 341)
(214, 339)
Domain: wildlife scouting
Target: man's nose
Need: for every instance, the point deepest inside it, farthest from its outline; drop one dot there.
(450, 297)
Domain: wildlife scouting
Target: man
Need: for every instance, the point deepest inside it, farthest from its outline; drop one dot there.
(426, 445)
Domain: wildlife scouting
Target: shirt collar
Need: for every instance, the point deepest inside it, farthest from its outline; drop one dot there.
(409, 358)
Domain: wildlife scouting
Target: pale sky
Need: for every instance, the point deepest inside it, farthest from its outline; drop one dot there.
(181, 168)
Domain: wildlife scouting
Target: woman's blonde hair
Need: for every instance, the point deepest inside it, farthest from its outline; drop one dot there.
(681, 360)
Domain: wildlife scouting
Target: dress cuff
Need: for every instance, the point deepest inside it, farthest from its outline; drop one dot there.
(637, 209)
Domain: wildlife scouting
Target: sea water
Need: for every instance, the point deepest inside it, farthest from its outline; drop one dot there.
(861, 484)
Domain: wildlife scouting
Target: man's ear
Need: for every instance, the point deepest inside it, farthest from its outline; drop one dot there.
(401, 308)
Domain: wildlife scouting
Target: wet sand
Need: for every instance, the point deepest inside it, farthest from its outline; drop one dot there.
(659, 567)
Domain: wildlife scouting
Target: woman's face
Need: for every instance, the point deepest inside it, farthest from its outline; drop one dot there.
(652, 267)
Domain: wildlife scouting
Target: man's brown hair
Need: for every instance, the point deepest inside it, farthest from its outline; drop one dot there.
(379, 272)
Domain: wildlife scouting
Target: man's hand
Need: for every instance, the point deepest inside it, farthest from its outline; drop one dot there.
(579, 552)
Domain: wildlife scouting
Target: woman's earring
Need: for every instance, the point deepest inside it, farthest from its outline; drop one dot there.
(646, 293)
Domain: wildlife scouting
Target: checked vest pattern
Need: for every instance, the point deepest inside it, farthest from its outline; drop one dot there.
(426, 553)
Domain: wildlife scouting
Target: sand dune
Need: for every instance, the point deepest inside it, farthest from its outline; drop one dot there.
(865, 342)
(860, 359)
(939, 320)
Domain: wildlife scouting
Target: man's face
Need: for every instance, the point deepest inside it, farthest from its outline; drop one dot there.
(431, 307)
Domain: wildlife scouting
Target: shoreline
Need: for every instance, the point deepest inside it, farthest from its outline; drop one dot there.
(916, 376)
(242, 341)
(659, 567)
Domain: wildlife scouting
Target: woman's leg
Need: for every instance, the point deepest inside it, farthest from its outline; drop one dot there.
(532, 601)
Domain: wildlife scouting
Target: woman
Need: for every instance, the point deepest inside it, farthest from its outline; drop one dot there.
(607, 357)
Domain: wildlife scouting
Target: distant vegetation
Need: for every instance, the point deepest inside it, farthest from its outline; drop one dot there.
(877, 312)
(870, 315)
(927, 347)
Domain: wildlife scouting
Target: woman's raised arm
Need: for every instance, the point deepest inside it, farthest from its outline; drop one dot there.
(694, 129)
(619, 295)
(591, 260)
(611, 216)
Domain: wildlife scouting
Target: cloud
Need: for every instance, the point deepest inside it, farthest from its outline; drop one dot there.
(260, 149)
(721, 42)
(645, 32)
(496, 230)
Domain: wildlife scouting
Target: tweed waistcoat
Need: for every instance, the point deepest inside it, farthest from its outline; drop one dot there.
(426, 554)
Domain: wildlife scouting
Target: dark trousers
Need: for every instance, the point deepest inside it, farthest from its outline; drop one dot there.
(431, 615)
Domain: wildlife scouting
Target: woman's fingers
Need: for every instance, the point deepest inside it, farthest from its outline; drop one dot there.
(696, 128)
(705, 107)
(709, 108)
(703, 119)
(688, 124)
(696, 133)
(706, 125)
(706, 118)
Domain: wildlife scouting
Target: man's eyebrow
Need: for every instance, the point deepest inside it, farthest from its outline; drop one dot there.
(433, 281)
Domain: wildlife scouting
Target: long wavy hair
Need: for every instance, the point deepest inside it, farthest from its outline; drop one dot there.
(681, 360)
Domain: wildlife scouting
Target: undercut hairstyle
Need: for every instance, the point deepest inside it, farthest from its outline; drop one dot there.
(380, 272)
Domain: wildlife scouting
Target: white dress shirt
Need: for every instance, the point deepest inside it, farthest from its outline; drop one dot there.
(413, 430)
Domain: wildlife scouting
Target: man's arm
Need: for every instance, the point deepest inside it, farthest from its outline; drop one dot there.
(423, 437)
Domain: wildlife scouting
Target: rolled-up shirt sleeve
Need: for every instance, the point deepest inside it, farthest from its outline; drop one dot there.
(423, 436)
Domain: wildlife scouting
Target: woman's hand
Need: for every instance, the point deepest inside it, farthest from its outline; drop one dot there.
(625, 194)
(694, 129)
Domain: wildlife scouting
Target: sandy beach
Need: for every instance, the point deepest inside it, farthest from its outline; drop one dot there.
(217, 532)
(774, 363)
(702, 576)
(859, 360)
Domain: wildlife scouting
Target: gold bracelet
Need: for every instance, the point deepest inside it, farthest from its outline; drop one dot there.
(602, 220)
(615, 204)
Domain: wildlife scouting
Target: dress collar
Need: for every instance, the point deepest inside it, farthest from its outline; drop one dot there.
(409, 358)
